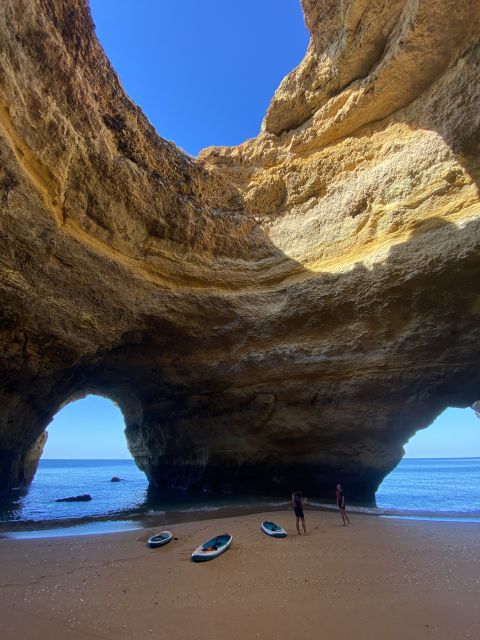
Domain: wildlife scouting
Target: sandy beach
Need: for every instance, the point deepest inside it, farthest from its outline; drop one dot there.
(380, 578)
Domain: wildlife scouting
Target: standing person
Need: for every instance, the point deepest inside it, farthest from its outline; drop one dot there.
(298, 500)
(341, 505)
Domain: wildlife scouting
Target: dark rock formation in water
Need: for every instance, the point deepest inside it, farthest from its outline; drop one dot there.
(84, 497)
(284, 313)
(115, 479)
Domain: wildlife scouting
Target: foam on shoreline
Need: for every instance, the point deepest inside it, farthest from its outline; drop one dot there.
(119, 522)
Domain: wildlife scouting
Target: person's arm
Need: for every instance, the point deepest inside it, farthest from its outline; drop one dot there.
(293, 499)
(304, 500)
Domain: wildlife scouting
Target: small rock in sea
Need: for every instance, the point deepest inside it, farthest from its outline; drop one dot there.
(85, 497)
(115, 479)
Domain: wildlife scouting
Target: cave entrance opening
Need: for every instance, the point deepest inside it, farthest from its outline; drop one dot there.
(440, 471)
(86, 454)
(90, 428)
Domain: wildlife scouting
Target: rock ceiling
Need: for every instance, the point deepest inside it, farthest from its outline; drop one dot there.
(283, 313)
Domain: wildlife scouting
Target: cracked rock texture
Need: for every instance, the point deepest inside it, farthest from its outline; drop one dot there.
(281, 314)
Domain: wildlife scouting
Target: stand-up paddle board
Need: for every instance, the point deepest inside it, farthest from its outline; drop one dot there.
(160, 539)
(212, 548)
(273, 530)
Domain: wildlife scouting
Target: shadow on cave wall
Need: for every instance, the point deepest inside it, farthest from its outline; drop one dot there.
(152, 388)
(428, 372)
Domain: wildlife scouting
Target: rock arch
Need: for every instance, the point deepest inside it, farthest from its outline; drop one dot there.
(286, 311)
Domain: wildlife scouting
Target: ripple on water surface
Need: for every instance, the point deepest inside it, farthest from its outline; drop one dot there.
(434, 485)
(62, 478)
(442, 488)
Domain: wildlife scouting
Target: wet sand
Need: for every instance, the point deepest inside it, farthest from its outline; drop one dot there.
(380, 578)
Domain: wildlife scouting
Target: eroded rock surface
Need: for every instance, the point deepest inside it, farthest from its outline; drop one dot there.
(284, 313)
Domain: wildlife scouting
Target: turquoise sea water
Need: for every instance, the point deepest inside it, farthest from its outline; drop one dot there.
(422, 487)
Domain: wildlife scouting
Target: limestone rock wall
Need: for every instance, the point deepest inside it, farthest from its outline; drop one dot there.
(284, 313)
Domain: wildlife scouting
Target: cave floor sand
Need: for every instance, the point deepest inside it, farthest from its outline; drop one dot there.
(385, 579)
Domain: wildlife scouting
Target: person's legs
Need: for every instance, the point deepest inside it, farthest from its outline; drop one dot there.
(342, 512)
(346, 517)
(303, 525)
(298, 524)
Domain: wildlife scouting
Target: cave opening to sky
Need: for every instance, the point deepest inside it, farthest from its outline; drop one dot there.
(439, 471)
(85, 449)
(204, 72)
(455, 433)
(91, 429)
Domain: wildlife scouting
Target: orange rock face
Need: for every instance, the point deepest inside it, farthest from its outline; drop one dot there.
(286, 312)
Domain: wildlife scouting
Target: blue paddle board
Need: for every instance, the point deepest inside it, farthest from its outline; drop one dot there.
(273, 530)
(212, 548)
(160, 539)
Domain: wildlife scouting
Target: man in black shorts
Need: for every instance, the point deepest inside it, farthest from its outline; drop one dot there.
(298, 501)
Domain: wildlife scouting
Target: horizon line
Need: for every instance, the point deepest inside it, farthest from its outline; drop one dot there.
(404, 458)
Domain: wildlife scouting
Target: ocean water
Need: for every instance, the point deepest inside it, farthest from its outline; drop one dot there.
(129, 497)
(420, 487)
(62, 478)
(432, 485)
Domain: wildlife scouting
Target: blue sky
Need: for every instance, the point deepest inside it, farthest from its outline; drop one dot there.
(204, 71)
(89, 428)
(93, 428)
(454, 434)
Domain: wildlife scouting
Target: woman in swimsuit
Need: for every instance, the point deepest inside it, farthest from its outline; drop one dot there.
(341, 505)
(298, 500)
